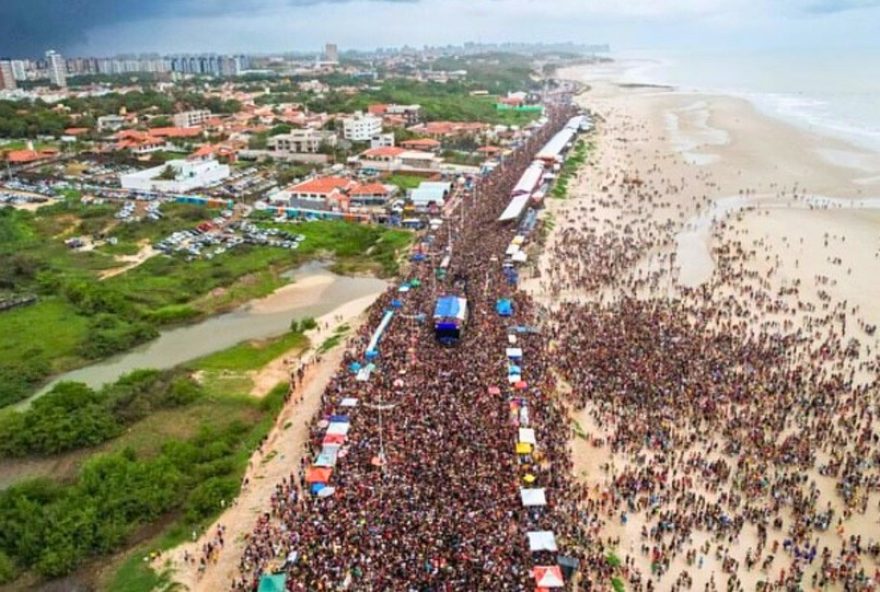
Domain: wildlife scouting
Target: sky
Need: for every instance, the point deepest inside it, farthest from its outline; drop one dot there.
(107, 27)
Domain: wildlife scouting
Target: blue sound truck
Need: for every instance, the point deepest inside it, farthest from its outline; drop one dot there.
(450, 317)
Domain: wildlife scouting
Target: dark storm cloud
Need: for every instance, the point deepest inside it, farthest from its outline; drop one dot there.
(29, 27)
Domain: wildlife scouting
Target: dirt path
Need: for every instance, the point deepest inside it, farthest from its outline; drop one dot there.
(130, 261)
(277, 458)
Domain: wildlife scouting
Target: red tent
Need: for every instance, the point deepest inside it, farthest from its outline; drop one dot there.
(318, 474)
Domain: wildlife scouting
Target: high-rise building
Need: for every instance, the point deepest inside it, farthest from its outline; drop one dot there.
(331, 53)
(19, 70)
(7, 76)
(57, 68)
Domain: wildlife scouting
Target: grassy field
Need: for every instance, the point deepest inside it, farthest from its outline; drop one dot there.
(79, 318)
(404, 182)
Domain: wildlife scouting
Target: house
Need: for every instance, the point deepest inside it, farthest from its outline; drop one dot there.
(339, 193)
(302, 141)
(110, 122)
(393, 158)
(410, 114)
(192, 118)
(447, 129)
(424, 144)
(382, 141)
(29, 156)
(176, 132)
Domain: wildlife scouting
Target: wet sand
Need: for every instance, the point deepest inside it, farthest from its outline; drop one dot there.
(722, 174)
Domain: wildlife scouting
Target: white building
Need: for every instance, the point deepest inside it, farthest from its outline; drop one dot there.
(188, 175)
(193, 118)
(19, 70)
(382, 141)
(7, 76)
(361, 127)
(57, 68)
(110, 122)
(302, 141)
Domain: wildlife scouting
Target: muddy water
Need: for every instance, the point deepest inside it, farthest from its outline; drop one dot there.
(315, 291)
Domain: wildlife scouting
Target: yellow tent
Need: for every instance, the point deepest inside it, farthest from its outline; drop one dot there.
(523, 448)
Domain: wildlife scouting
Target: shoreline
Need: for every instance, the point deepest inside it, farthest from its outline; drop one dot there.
(812, 226)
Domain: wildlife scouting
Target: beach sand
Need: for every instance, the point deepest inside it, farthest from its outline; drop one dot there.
(278, 457)
(722, 173)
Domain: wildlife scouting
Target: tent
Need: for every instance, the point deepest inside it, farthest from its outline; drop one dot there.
(533, 497)
(527, 435)
(348, 402)
(523, 448)
(514, 378)
(273, 583)
(520, 385)
(504, 307)
(541, 540)
(514, 369)
(327, 457)
(338, 428)
(514, 353)
(318, 474)
(548, 576)
(339, 419)
(333, 439)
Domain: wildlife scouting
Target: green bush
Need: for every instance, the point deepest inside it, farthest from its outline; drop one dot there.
(7, 569)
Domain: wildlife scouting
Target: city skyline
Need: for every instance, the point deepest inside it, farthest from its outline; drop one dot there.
(103, 27)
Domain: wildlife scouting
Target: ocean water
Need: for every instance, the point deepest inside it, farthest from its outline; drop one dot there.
(829, 92)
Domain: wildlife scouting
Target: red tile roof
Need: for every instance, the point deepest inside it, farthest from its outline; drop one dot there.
(24, 156)
(176, 132)
(421, 143)
(321, 185)
(369, 189)
(383, 152)
(76, 131)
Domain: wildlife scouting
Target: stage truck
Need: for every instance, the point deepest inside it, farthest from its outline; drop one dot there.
(450, 314)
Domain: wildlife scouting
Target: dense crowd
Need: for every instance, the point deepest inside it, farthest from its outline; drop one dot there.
(441, 510)
(740, 417)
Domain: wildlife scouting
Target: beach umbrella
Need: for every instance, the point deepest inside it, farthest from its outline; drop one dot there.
(494, 390)
(548, 576)
(521, 384)
(529, 478)
(416, 283)
(323, 424)
(398, 383)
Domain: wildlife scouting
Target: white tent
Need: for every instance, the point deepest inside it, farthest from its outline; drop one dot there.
(339, 428)
(527, 435)
(514, 352)
(513, 378)
(348, 402)
(520, 257)
(533, 497)
(541, 540)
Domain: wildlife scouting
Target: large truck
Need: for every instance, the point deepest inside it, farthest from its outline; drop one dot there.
(450, 317)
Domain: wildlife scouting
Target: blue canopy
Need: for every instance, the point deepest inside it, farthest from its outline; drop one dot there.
(273, 583)
(354, 366)
(449, 307)
(396, 303)
(418, 257)
(512, 369)
(339, 419)
(504, 307)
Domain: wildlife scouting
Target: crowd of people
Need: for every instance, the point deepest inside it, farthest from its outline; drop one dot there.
(739, 417)
(427, 496)
(736, 419)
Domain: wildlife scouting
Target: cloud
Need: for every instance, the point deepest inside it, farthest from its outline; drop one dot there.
(100, 27)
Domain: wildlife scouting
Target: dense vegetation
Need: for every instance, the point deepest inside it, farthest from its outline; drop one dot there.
(27, 119)
(173, 448)
(73, 416)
